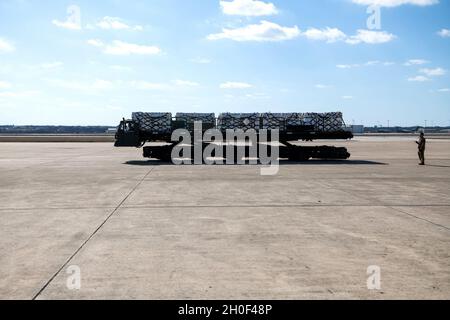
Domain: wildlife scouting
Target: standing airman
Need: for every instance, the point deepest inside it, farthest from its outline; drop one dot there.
(422, 144)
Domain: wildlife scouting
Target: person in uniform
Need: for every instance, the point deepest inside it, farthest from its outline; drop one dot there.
(422, 143)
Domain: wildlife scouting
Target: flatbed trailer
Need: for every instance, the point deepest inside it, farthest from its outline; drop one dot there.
(157, 128)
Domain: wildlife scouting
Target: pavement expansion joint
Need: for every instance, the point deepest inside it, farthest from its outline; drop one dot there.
(419, 218)
(307, 205)
(92, 235)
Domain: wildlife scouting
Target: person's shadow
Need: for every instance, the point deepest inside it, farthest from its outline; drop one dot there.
(436, 165)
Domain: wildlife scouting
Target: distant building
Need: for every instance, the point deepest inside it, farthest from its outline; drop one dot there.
(356, 129)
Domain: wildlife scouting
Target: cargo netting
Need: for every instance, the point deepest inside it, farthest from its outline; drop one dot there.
(324, 122)
(238, 121)
(153, 122)
(190, 118)
(161, 123)
(272, 121)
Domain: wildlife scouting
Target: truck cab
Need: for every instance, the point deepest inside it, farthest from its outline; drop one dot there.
(127, 134)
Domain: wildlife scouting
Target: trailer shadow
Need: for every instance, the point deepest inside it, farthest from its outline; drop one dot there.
(335, 162)
(154, 162)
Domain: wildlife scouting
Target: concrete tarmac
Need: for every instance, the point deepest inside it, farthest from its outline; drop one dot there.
(139, 229)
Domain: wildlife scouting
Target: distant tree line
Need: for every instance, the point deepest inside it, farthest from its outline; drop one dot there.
(414, 129)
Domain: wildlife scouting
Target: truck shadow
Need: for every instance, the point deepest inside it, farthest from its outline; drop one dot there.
(155, 162)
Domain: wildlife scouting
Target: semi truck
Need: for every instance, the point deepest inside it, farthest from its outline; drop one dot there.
(154, 132)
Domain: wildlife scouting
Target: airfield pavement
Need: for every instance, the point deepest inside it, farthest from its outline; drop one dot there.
(139, 229)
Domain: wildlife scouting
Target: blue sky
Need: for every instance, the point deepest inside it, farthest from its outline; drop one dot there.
(94, 62)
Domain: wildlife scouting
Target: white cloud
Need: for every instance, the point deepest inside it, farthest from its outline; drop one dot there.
(322, 86)
(331, 35)
(347, 97)
(8, 95)
(51, 65)
(114, 23)
(367, 64)
(418, 79)
(121, 68)
(347, 66)
(69, 24)
(143, 85)
(378, 63)
(370, 37)
(235, 85)
(269, 31)
(433, 72)
(123, 48)
(415, 62)
(5, 85)
(102, 85)
(395, 3)
(444, 90)
(444, 33)
(248, 8)
(264, 31)
(185, 83)
(328, 34)
(6, 47)
(82, 86)
(19, 94)
(95, 43)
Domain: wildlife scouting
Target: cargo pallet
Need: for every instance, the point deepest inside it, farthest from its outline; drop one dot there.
(158, 127)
